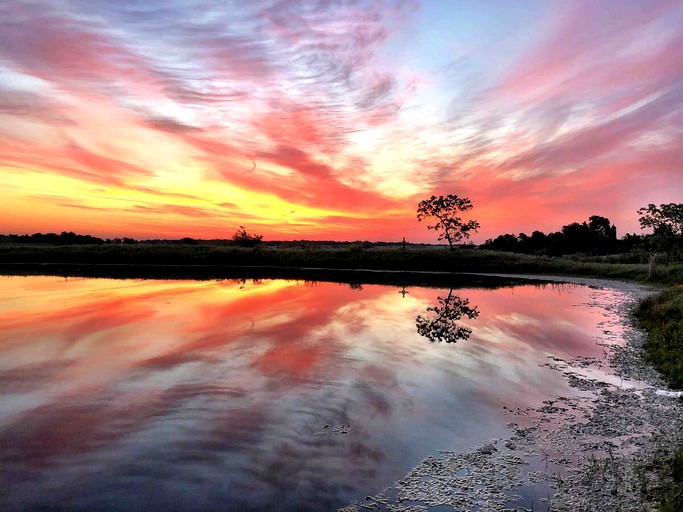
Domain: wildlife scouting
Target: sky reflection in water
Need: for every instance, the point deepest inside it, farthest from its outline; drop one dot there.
(172, 395)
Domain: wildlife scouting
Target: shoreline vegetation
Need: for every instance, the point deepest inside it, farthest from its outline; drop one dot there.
(661, 315)
(355, 261)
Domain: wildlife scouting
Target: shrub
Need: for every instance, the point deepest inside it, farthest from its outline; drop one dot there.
(243, 239)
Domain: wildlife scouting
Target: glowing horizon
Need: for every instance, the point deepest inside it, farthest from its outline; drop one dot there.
(176, 118)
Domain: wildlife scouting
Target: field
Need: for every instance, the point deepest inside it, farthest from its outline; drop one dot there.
(211, 261)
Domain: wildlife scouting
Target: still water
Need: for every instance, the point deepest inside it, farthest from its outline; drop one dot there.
(275, 395)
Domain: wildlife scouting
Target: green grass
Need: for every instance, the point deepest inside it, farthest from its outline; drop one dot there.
(672, 500)
(662, 317)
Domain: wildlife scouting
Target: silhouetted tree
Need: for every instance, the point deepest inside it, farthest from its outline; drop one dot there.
(537, 242)
(47, 238)
(65, 238)
(444, 326)
(630, 243)
(599, 226)
(670, 215)
(666, 221)
(597, 236)
(576, 237)
(506, 243)
(446, 211)
(555, 243)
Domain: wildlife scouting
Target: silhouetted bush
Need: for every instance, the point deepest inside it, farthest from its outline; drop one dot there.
(243, 239)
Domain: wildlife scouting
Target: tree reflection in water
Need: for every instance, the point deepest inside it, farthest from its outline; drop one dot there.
(444, 326)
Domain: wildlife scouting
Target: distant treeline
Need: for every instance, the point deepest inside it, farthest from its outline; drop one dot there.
(64, 238)
(70, 238)
(598, 236)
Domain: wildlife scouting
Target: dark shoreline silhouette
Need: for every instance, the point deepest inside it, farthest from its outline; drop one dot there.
(215, 259)
(398, 278)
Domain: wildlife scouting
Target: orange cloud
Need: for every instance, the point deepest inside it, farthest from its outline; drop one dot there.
(318, 124)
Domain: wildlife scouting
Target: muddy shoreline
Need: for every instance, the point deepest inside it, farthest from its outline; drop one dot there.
(591, 452)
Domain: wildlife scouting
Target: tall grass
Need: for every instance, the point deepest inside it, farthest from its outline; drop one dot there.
(662, 317)
(350, 257)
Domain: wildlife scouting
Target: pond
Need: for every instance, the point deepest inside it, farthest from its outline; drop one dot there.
(263, 395)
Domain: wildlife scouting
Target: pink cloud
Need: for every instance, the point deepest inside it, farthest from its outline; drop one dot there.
(584, 122)
(591, 105)
(585, 44)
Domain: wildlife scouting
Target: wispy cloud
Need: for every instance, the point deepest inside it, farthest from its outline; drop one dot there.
(579, 117)
(317, 105)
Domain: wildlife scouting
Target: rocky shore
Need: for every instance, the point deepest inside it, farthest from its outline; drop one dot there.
(594, 451)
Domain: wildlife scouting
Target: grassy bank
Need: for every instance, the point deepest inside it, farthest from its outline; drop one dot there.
(352, 257)
(662, 317)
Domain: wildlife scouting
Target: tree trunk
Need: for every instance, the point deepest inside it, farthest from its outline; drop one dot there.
(653, 266)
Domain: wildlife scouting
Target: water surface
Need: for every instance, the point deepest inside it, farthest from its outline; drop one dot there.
(274, 395)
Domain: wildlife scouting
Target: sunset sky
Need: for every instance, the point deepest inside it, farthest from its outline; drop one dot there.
(331, 119)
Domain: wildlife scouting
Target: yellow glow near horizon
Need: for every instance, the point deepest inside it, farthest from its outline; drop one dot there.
(68, 198)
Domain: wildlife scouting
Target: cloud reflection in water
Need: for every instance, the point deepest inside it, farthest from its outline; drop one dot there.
(131, 395)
